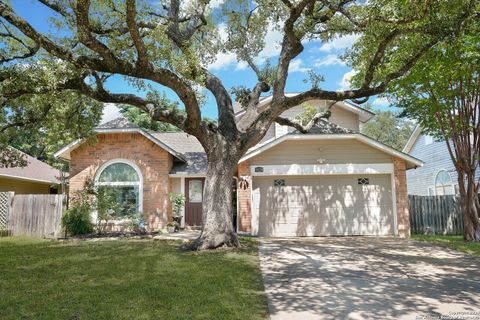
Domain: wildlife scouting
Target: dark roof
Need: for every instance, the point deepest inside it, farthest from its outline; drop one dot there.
(118, 123)
(188, 146)
(326, 127)
(36, 171)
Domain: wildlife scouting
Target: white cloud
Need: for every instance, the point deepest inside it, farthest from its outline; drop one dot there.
(347, 77)
(297, 66)
(273, 39)
(381, 102)
(224, 60)
(329, 60)
(110, 112)
(340, 43)
(215, 3)
(241, 65)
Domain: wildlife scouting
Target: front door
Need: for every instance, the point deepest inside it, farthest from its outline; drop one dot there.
(194, 197)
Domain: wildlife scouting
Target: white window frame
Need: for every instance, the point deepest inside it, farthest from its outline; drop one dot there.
(428, 140)
(435, 182)
(136, 183)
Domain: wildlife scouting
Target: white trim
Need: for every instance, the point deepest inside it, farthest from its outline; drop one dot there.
(182, 192)
(362, 138)
(322, 169)
(412, 139)
(236, 194)
(64, 153)
(394, 205)
(28, 179)
(435, 182)
(254, 222)
(135, 167)
(68, 148)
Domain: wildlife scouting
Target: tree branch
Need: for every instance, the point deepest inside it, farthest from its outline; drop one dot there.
(85, 36)
(133, 29)
(303, 128)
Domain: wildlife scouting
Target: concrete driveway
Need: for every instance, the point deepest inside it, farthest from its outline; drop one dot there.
(368, 278)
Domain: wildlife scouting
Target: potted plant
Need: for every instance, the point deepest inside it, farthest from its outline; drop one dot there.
(178, 202)
(171, 227)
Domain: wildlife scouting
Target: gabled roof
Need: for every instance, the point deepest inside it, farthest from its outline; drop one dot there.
(331, 131)
(35, 171)
(363, 114)
(196, 159)
(413, 138)
(118, 125)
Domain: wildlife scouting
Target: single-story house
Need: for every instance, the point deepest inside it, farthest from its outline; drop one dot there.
(332, 181)
(36, 177)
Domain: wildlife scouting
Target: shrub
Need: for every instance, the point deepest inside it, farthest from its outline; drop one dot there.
(76, 220)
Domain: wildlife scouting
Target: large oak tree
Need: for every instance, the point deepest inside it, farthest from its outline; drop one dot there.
(170, 43)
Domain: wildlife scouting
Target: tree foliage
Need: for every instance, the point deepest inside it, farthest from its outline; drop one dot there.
(442, 92)
(40, 124)
(143, 120)
(389, 127)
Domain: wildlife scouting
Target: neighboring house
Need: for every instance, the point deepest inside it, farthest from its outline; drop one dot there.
(36, 177)
(438, 175)
(332, 181)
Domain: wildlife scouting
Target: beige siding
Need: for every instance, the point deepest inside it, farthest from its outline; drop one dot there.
(345, 118)
(323, 206)
(339, 116)
(176, 184)
(23, 187)
(310, 151)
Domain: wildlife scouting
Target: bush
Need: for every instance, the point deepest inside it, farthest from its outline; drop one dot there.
(76, 220)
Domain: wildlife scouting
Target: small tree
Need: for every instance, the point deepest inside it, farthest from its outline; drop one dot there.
(443, 93)
(178, 202)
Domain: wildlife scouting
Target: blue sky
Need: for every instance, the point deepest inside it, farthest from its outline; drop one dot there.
(321, 57)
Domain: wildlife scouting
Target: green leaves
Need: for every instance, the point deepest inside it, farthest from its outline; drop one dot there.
(43, 120)
(446, 74)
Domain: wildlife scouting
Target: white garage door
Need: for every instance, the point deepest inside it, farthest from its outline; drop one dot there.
(323, 205)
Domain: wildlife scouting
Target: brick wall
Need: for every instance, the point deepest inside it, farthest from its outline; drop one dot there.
(244, 198)
(403, 221)
(154, 163)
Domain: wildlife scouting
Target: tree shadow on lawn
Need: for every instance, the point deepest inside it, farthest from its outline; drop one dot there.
(367, 278)
(127, 280)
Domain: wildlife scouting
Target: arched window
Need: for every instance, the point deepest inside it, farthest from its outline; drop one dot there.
(120, 182)
(443, 183)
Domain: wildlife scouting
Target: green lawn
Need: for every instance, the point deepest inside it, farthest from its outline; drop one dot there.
(127, 279)
(453, 242)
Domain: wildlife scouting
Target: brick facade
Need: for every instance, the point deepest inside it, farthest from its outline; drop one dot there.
(400, 177)
(154, 163)
(244, 196)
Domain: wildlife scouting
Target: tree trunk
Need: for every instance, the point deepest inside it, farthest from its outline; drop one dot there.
(217, 223)
(468, 198)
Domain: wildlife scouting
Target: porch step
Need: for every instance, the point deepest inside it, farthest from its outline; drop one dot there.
(192, 228)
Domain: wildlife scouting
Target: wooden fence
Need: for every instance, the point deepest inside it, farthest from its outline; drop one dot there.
(36, 215)
(436, 214)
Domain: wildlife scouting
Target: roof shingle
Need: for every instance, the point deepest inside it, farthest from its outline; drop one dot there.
(35, 170)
